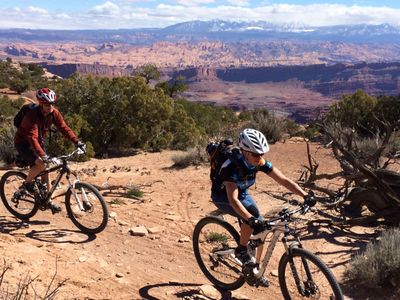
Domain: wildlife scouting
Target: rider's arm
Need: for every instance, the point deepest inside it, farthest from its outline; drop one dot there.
(233, 193)
(63, 127)
(277, 175)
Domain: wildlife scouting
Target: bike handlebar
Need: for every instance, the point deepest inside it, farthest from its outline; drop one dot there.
(285, 214)
(60, 159)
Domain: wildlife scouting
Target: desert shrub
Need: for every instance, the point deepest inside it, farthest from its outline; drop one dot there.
(364, 113)
(9, 108)
(194, 156)
(380, 263)
(272, 127)
(57, 144)
(28, 287)
(129, 113)
(7, 151)
(292, 128)
(211, 120)
(134, 192)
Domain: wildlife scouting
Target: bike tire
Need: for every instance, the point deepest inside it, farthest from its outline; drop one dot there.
(8, 187)
(285, 274)
(98, 209)
(202, 240)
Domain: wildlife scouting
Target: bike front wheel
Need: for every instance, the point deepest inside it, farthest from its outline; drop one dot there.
(315, 280)
(214, 243)
(86, 208)
(15, 198)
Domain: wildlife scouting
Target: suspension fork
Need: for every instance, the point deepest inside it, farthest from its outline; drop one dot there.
(289, 252)
(74, 193)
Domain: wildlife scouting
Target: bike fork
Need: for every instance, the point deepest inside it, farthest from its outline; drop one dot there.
(293, 268)
(75, 194)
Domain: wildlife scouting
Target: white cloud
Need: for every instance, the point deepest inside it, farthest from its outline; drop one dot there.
(193, 2)
(106, 9)
(239, 2)
(37, 10)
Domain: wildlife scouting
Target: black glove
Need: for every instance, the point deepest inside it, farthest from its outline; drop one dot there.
(257, 224)
(310, 199)
(81, 146)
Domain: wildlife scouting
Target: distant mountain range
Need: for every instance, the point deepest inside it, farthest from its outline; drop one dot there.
(225, 31)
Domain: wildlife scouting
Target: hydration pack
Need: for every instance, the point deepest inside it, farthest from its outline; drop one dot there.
(22, 112)
(219, 153)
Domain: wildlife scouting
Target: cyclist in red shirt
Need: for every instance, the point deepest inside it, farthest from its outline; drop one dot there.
(30, 136)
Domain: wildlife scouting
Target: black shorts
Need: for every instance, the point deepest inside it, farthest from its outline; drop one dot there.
(26, 153)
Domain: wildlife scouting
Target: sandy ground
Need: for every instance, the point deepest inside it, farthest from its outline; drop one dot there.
(116, 265)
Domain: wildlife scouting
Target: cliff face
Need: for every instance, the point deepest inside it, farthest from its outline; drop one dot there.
(66, 70)
(331, 81)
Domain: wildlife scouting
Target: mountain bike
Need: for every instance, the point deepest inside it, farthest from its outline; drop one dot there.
(85, 205)
(301, 273)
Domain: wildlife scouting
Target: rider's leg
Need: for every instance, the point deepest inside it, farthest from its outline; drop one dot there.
(35, 170)
(46, 179)
(245, 233)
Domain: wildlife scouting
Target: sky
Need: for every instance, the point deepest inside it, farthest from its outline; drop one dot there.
(117, 14)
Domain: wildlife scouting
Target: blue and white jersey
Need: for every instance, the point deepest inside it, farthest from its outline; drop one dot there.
(240, 172)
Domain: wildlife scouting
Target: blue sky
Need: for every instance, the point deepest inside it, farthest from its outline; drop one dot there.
(114, 14)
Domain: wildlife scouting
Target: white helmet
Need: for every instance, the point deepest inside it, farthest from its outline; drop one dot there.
(254, 141)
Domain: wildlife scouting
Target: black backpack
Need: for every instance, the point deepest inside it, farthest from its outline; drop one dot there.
(219, 153)
(22, 112)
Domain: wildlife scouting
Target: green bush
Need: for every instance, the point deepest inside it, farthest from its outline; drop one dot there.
(9, 108)
(57, 144)
(379, 265)
(7, 150)
(124, 112)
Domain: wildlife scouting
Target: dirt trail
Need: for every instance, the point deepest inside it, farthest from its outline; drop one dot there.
(117, 265)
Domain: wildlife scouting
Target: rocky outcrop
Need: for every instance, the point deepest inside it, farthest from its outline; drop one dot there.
(19, 51)
(66, 70)
(329, 80)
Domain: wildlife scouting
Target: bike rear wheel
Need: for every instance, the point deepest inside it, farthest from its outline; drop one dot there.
(214, 242)
(316, 280)
(87, 208)
(17, 200)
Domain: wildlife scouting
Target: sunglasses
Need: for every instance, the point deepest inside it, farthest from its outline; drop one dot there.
(255, 155)
(48, 104)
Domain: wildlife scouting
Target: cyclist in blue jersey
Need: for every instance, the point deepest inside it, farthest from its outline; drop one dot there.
(230, 191)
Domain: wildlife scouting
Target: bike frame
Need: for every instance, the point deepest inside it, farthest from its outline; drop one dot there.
(277, 230)
(64, 170)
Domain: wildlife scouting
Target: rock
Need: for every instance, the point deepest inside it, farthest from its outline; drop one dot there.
(210, 292)
(154, 230)
(274, 273)
(119, 275)
(83, 259)
(139, 231)
(239, 296)
(184, 239)
(173, 218)
(113, 215)
(123, 223)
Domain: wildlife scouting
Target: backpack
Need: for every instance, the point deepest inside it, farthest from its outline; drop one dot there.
(22, 112)
(219, 153)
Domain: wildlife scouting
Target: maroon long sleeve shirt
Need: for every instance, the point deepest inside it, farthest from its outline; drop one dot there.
(35, 125)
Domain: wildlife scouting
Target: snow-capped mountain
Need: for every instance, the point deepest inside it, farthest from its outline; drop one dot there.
(227, 31)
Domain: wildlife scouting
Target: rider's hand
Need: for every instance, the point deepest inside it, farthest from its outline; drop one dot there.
(81, 146)
(256, 223)
(310, 199)
(45, 159)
